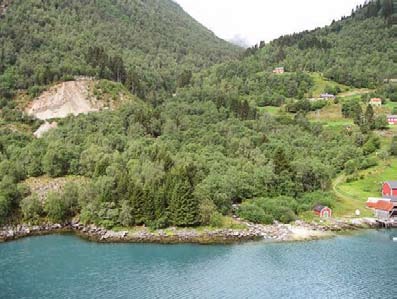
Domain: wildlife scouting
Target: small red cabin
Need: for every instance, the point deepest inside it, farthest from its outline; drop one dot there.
(389, 189)
(392, 119)
(323, 211)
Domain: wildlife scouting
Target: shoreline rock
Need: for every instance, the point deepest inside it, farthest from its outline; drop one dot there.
(298, 231)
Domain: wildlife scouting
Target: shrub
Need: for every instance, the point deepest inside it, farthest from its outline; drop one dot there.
(5, 208)
(371, 145)
(216, 219)
(351, 166)
(380, 122)
(162, 222)
(55, 207)
(31, 208)
(309, 200)
(368, 163)
(393, 147)
(253, 213)
(206, 209)
(280, 208)
(70, 198)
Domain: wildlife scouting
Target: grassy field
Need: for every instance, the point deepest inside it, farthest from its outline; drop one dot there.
(320, 83)
(353, 195)
(270, 109)
(390, 105)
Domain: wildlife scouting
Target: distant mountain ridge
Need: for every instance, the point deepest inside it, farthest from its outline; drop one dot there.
(46, 41)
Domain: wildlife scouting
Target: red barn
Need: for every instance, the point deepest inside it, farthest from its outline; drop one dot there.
(322, 211)
(389, 190)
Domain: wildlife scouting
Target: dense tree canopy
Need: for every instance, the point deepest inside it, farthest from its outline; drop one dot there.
(155, 41)
(197, 141)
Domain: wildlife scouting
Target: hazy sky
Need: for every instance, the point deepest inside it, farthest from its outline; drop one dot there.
(255, 20)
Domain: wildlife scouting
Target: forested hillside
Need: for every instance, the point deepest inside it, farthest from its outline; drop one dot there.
(199, 140)
(359, 50)
(147, 45)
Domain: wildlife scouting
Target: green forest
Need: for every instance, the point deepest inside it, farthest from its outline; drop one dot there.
(193, 140)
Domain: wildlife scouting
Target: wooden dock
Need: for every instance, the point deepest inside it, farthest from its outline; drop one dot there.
(387, 223)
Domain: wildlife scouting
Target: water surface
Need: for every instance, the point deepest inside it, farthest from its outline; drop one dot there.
(64, 266)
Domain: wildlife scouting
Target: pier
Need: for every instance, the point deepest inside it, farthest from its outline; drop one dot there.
(390, 223)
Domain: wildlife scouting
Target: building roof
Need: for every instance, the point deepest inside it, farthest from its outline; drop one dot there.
(392, 184)
(376, 100)
(319, 208)
(390, 198)
(384, 205)
(392, 116)
(327, 95)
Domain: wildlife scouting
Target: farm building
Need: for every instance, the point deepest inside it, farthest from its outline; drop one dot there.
(376, 102)
(279, 70)
(327, 96)
(392, 119)
(322, 211)
(389, 190)
(385, 208)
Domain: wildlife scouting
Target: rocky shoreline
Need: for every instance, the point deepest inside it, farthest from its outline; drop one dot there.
(298, 231)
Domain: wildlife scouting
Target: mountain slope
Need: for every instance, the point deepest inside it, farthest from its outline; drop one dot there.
(45, 41)
(358, 50)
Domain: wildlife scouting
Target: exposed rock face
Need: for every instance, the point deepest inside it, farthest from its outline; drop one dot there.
(67, 98)
(44, 128)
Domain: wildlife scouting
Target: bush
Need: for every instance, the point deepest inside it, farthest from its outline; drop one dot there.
(371, 145)
(31, 208)
(380, 123)
(162, 222)
(216, 219)
(368, 163)
(5, 208)
(70, 198)
(351, 166)
(280, 208)
(253, 213)
(55, 207)
(206, 209)
(393, 147)
(309, 200)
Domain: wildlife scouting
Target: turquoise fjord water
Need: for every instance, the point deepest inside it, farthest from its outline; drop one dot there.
(64, 266)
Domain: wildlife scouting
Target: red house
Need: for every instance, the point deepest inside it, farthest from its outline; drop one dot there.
(385, 208)
(377, 102)
(279, 70)
(322, 211)
(389, 190)
(392, 119)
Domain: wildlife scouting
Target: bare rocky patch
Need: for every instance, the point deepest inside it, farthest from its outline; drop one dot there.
(66, 98)
(44, 185)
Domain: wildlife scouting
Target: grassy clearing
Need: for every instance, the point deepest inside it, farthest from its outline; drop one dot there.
(353, 195)
(354, 93)
(331, 117)
(270, 109)
(320, 83)
(390, 105)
